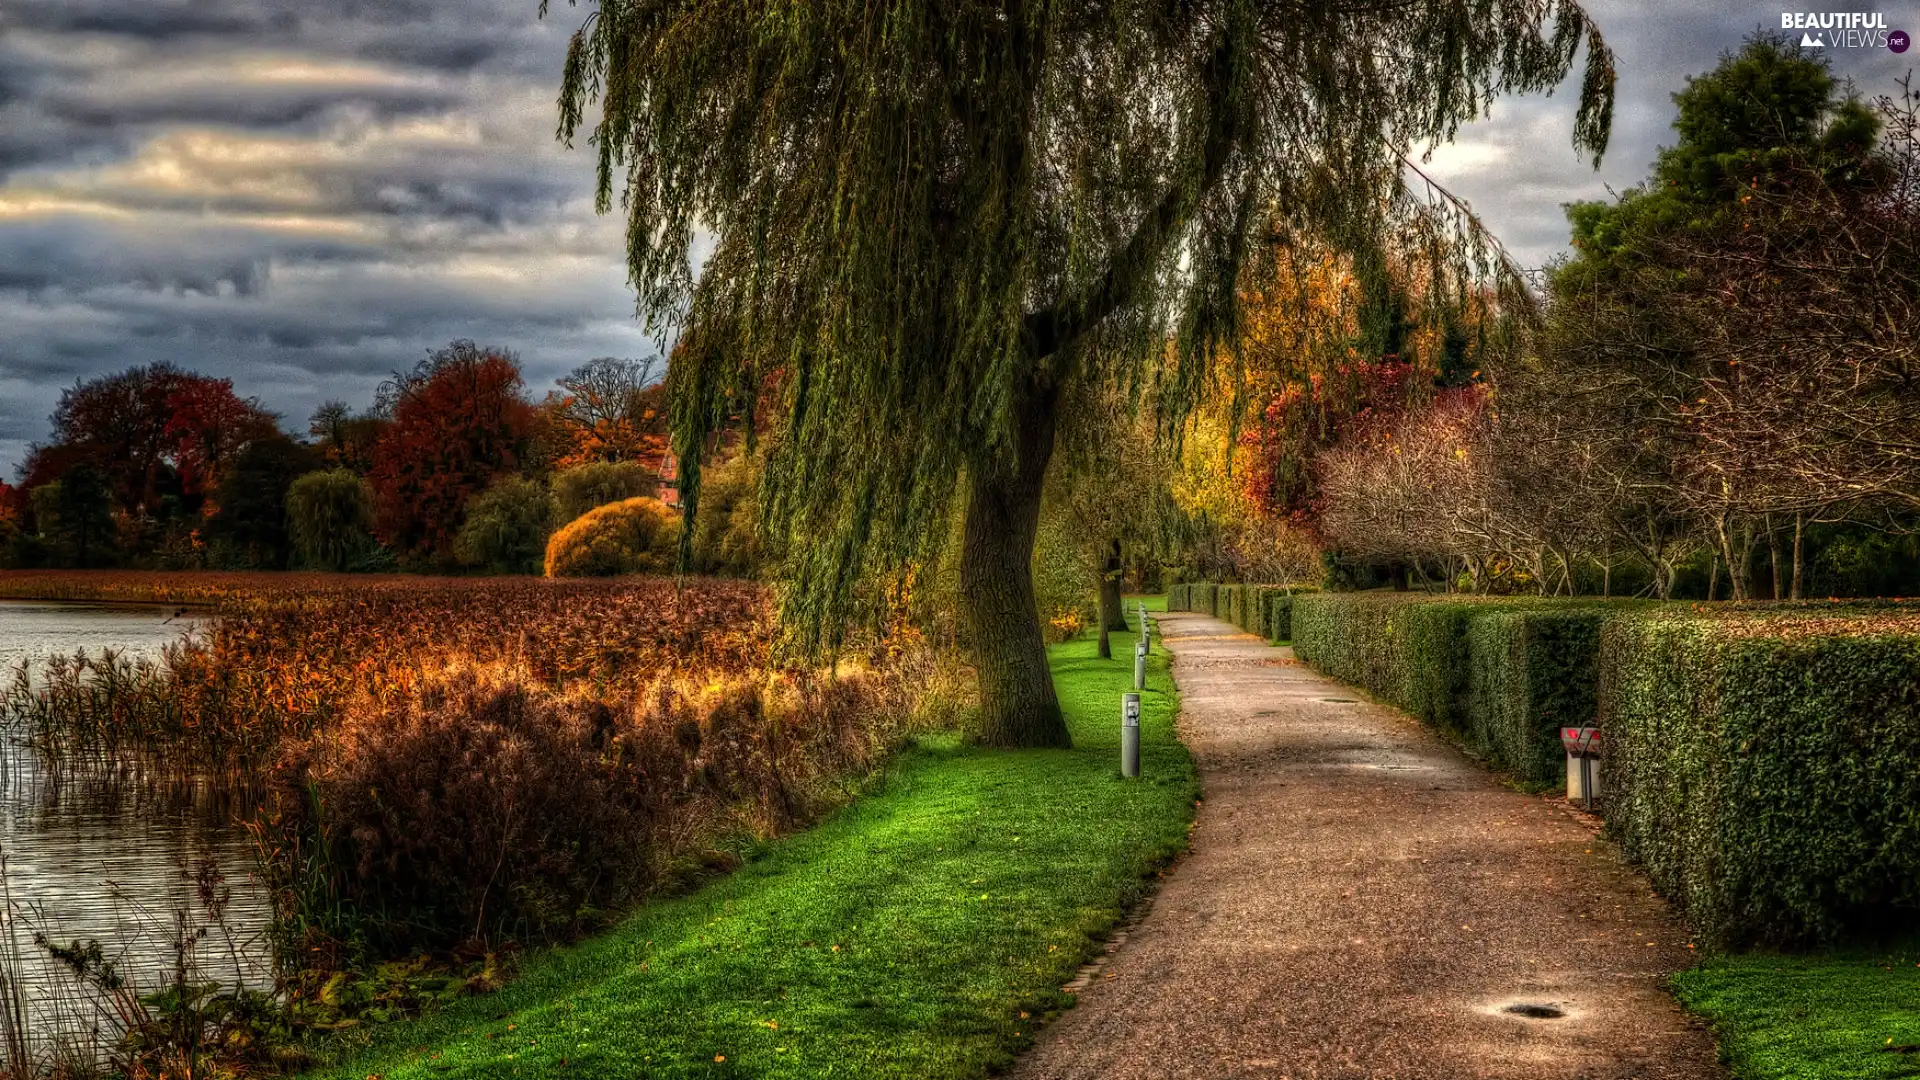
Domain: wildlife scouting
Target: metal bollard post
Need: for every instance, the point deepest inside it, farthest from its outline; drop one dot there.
(1140, 666)
(1130, 736)
(1143, 620)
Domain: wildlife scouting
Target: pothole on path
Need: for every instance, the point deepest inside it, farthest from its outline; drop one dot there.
(1535, 1012)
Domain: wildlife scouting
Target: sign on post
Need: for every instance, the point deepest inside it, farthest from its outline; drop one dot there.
(1130, 736)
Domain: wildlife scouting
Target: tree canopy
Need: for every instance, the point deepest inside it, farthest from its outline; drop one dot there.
(930, 219)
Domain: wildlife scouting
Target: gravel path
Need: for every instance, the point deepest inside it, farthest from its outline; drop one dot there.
(1364, 901)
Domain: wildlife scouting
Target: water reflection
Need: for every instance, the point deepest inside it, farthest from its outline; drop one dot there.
(106, 850)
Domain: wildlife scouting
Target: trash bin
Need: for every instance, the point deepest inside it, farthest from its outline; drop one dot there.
(1583, 764)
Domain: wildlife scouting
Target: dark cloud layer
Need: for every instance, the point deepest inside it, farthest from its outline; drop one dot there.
(302, 195)
(305, 195)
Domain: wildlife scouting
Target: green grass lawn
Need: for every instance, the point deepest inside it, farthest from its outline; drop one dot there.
(1837, 1017)
(924, 931)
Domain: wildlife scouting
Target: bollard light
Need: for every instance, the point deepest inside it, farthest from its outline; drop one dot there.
(1140, 666)
(1130, 736)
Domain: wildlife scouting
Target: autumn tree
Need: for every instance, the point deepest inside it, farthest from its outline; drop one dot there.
(926, 218)
(149, 432)
(345, 438)
(1727, 347)
(459, 420)
(207, 427)
(608, 410)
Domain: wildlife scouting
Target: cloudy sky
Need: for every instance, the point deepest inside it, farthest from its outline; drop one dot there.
(305, 195)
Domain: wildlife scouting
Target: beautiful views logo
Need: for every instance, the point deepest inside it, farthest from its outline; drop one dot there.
(1844, 30)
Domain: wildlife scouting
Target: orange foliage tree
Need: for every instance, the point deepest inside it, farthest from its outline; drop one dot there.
(606, 410)
(460, 419)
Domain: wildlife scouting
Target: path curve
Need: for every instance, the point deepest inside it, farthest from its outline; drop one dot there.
(1362, 901)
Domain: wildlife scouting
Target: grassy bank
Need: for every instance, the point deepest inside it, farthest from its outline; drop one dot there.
(1853, 1016)
(922, 932)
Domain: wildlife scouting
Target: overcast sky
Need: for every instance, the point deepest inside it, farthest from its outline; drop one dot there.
(305, 195)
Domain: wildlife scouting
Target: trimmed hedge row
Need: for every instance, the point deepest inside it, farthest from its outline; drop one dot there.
(1530, 674)
(1766, 771)
(1763, 763)
(1266, 610)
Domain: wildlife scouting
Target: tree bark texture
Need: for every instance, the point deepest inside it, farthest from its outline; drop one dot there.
(1113, 610)
(1799, 550)
(1018, 706)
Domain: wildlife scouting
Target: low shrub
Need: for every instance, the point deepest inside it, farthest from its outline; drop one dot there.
(634, 536)
(1411, 650)
(1266, 610)
(1206, 599)
(477, 808)
(1354, 638)
(1272, 615)
(1765, 769)
(482, 808)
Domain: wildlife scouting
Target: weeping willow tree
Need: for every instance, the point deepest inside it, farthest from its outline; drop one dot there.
(930, 220)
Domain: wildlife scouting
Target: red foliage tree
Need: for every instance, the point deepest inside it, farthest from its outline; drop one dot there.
(118, 424)
(460, 419)
(1306, 417)
(150, 431)
(207, 426)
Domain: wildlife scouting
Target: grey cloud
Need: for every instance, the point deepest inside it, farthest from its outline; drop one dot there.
(1517, 167)
(301, 195)
(171, 190)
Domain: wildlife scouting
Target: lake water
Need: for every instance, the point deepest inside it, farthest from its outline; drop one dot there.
(109, 854)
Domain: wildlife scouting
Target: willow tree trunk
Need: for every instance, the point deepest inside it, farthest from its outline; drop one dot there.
(1018, 706)
(1113, 608)
(1107, 592)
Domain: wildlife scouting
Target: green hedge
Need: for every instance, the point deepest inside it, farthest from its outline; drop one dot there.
(1531, 672)
(1762, 761)
(1266, 610)
(1405, 648)
(1766, 770)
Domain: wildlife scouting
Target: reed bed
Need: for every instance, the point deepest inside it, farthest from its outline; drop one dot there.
(442, 770)
(283, 657)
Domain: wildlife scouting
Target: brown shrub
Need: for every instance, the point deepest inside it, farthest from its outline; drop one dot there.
(481, 807)
(477, 807)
